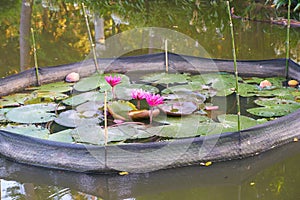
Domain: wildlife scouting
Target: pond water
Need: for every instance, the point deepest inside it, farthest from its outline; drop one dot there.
(61, 37)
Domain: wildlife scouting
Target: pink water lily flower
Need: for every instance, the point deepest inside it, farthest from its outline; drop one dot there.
(113, 81)
(139, 95)
(153, 100)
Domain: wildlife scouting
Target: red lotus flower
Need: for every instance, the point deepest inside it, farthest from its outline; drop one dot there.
(113, 81)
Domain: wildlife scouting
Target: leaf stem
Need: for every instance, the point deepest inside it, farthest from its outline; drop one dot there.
(287, 58)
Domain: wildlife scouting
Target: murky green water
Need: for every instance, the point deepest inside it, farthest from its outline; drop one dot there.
(61, 37)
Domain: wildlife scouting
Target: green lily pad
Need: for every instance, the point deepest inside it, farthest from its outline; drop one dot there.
(62, 136)
(98, 81)
(230, 122)
(28, 130)
(90, 106)
(178, 108)
(274, 111)
(165, 78)
(57, 87)
(51, 95)
(223, 83)
(85, 97)
(13, 100)
(185, 96)
(71, 118)
(90, 134)
(120, 109)
(274, 102)
(35, 113)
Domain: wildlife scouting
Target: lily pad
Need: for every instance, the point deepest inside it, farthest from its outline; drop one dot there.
(165, 78)
(35, 113)
(71, 118)
(120, 109)
(90, 134)
(98, 81)
(13, 100)
(28, 130)
(274, 111)
(274, 102)
(178, 108)
(62, 136)
(85, 97)
(57, 87)
(90, 106)
(230, 122)
(185, 96)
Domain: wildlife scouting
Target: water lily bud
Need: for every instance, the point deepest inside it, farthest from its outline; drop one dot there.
(72, 77)
(293, 83)
(265, 83)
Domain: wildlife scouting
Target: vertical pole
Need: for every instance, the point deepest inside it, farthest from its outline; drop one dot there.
(235, 69)
(288, 42)
(105, 118)
(90, 38)
(35, 58)
(166, 56)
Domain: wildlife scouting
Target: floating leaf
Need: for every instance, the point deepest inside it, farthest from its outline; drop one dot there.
(230, 122)
(62, 136)
(13, 100)
(85, 97)
(186, 96)
(178, 108)
(36, 113)
(28, 130)
(90, 134)
(90, 106)
(165, 78)
(71, 118)
(274, 102)
(120, 109)
(57, 87)
(274, 111)
(97, 81)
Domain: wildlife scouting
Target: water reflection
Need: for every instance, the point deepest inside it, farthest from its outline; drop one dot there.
(268, 176)
(62, 36)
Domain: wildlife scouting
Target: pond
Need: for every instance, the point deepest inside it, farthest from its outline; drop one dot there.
(61, 37)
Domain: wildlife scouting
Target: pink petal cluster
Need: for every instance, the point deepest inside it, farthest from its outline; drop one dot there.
(139, 94)
(154, 100)
(113, 81)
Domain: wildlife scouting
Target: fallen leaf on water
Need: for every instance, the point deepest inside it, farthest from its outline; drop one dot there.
(123, 173)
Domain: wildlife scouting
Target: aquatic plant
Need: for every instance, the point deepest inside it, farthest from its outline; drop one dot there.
(113, 81)
(139, 95)
(153, 100)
